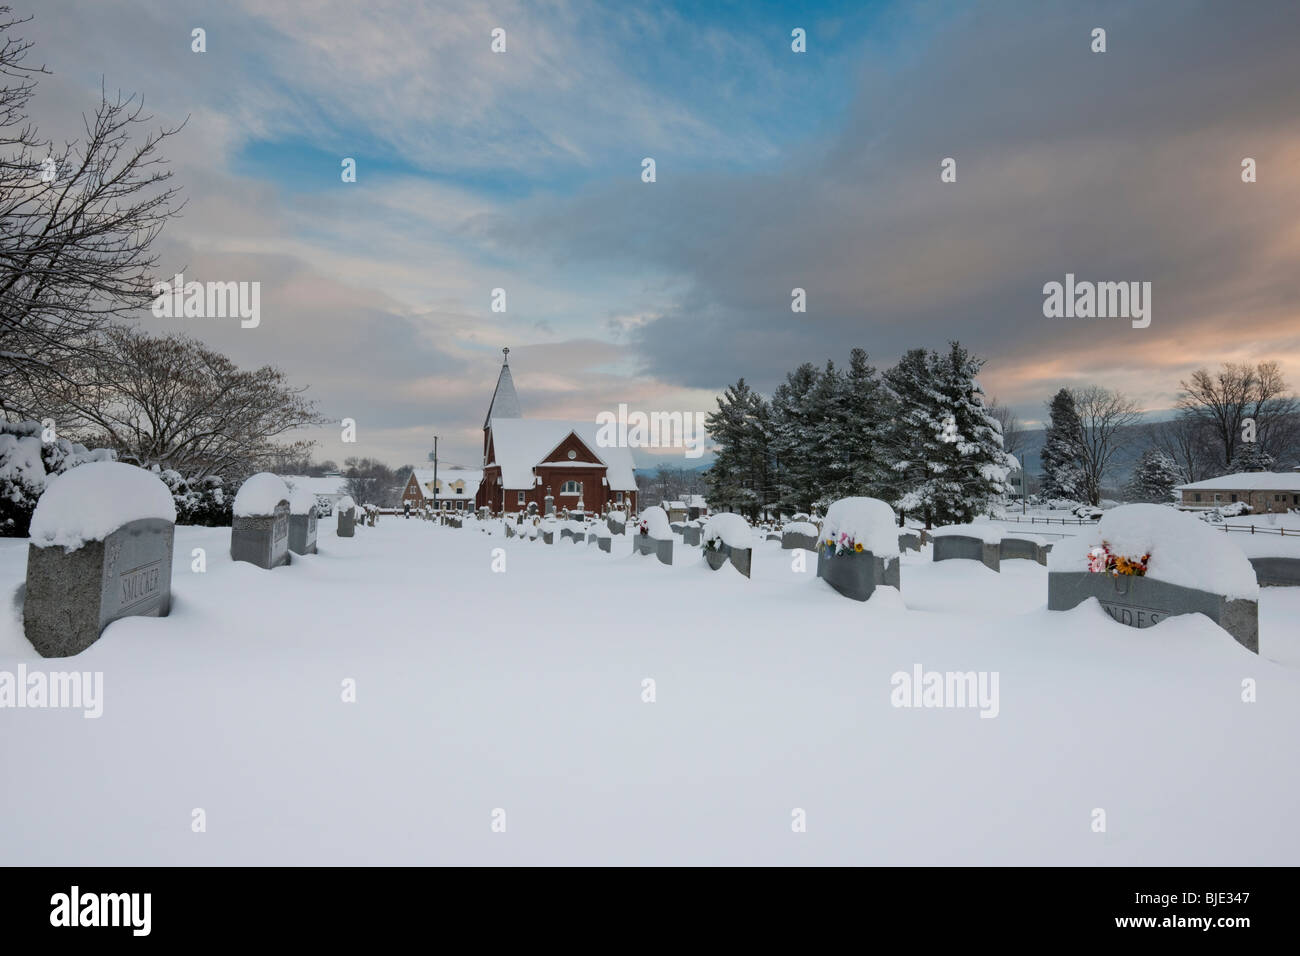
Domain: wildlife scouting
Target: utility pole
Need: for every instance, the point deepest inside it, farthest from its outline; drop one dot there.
(435, 474)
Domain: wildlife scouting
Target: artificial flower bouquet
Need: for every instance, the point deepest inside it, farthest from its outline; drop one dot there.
(1102, 560)
(845, 545)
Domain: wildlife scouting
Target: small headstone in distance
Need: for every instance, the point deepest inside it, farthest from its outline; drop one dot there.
(86, 570)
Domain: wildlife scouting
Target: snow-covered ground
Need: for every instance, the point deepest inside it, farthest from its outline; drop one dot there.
(523, 691)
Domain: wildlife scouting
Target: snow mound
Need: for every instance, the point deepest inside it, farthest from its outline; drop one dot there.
(729, 529)
(344, 503)
(618, 517)
(259, 495)
(866, 521)
(301, 500)
(655, 522)
(91, 501)
(800, 527)
(988, 533)
(1184, 551)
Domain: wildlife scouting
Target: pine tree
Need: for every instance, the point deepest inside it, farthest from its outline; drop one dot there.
(864, 406)
(791, 424)
(1061, 457)
(1154, 478)
(1250, 456)
(948, 461)
(739, 477)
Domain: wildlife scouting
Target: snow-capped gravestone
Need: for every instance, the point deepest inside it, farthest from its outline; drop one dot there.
(976, 542)
(909, 540)
(616, 522)
(1145, 563)
(101, 549)
(1023, 546)
(346, 509)
(799, 534)
(260, 531)
(1277, 572)
(302, 521)
(728, 537)
(691, 533)
(859, 547)
(654, 535)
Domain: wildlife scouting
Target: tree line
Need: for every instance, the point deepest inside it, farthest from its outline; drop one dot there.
(921, 436)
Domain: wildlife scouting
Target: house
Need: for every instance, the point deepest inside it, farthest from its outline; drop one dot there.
(1263, 491)
(696, 507)
(677, 510)
(456, 488)
(327, 489)
(536, 461)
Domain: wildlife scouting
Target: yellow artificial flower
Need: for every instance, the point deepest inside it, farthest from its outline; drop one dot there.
(858, 547)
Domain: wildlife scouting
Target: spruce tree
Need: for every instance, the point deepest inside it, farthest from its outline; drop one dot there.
(1154, 478)
(1250, 456)
(1061, 457)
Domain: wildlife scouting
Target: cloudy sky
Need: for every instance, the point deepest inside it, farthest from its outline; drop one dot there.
(775, 170)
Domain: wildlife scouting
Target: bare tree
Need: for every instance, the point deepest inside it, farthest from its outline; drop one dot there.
(171, 401)
(78, 223)
(1106, 418)
(369, 481)
(1013, 435)
(1223, 400)
(1187, 440)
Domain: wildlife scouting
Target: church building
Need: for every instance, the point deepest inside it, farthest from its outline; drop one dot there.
(525, 460)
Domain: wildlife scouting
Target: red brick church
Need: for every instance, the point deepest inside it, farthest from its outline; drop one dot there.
(525, 460)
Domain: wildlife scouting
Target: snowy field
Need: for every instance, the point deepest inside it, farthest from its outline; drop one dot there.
(523, 690)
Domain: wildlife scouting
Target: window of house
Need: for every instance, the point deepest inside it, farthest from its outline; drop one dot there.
(570, 488)
(1197, 496)
(1234, 497)
(520, 499)
(618, 496)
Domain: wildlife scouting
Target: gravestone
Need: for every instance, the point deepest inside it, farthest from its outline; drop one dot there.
(691, 535)
(772, 536)
(605, 543)
(950, 546)
(262, 540)
(347, 522)
(615, 527)
(677, 527)
(856, 575)
(548, 537)
(741, 558)
(1277, 572)
(793, 540)
(1022, 548)
(644, 544)
(302, 532)
(71, 596)
(550, 504)
(1142, 601)
(510, 530)
(909, 541)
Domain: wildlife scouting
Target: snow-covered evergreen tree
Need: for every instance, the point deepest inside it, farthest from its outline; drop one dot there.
(791, 428)
(864, 412)
(1250, 456)
(1062, 468)
(946, 448)
(1154, 478)
(740, 427)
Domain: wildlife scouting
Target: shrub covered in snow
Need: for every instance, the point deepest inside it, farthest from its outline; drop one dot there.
(1168, 545)
(729, 529)
(1088, 512)
(198, 502)
(92, 501)
(27, 463)
(861, 524)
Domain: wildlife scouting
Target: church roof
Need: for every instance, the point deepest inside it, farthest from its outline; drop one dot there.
(505, 402)
(520, 444)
